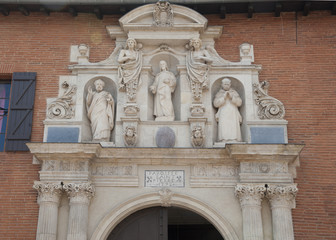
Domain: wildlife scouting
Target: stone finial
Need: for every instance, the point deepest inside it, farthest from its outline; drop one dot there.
(246, 53)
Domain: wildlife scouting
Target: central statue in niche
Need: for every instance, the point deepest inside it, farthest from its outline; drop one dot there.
(163, 87)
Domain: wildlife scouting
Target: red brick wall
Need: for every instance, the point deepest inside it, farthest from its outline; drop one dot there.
(298, 59)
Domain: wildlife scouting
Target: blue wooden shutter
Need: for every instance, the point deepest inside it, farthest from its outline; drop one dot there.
(21, 111)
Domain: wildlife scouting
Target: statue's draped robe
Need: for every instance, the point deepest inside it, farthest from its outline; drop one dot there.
(129, 71)
(165, 83)
(197, 70)
(228, 116)
(100, 113)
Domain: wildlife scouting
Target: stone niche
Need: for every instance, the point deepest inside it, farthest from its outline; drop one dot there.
(164, 39)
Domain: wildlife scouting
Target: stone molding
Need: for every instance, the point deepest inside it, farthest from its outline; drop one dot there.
(165, 196)
(48, 192)
(250, 194)
(80, 193)
(282, 196)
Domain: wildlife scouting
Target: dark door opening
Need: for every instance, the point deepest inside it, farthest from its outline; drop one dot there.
(160, 223)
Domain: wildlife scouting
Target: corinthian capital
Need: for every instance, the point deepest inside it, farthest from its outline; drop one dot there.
(282, 195)
(79, 192)
(250, 194)
(48, 192)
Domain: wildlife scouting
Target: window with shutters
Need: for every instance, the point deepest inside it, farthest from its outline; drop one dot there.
(16, 112)
(5, 86)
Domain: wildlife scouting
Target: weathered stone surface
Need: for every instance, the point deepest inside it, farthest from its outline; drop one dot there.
(165, 137)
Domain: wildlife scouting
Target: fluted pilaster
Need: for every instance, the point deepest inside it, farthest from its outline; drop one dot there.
(250, 197)
(49, 195)
(282, 199)
(80, 195)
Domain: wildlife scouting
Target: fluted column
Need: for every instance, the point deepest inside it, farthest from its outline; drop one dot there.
(282, 200)
(80, 195)
(49, 195)
(250, 197)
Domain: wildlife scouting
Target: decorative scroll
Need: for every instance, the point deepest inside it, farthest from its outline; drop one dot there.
(64, 106)
(79, 192)
(48, 191)
(250, 194)
(269, 107)
(163, 14)
(282, 195)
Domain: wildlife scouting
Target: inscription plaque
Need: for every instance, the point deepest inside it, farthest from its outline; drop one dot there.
(164, 178)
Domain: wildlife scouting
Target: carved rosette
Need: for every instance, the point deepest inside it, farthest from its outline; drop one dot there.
(282, 196)
(165, 196)
(80, 193)
(250, 194)
(268, 107)
(64, 106)
(130, 136)
(48, 192)
(163, 14)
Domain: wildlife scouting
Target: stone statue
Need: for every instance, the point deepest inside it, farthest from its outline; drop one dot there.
(227, 100)
(163, 87)
(100, 108)
(130, 60)
(198, 61)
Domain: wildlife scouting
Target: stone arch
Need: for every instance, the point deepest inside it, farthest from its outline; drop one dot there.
(239, 87)
(120, 212)
(110, 86)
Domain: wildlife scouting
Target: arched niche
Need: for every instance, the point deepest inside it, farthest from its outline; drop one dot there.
(239, 87)
(172, 62)
(125, 209)
(111, 87)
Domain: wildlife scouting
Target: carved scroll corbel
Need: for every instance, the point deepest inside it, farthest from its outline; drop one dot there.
(130, 136)
(268, 107)
(64, 106)
(197, 136)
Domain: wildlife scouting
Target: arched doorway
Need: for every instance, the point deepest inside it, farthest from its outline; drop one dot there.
(160, 223)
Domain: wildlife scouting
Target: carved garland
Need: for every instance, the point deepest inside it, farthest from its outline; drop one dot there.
(63, 107)
(269, 107)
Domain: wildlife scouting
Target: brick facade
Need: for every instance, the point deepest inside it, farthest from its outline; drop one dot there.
(298, 56)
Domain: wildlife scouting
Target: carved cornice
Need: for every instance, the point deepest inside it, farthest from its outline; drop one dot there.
(79, 193)
(282, 196)
(48, 192)
(250, 194)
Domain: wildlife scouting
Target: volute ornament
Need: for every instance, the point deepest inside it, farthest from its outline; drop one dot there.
(268, 107)
(163, 14)
(64, 106)
(48, 191)
(79, 192)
